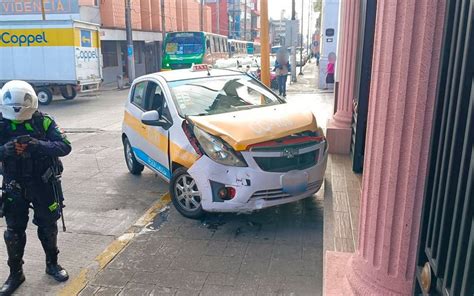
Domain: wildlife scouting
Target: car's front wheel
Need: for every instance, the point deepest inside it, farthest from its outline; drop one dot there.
(185, 194)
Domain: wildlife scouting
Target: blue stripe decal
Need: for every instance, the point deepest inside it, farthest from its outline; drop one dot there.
(152, 163)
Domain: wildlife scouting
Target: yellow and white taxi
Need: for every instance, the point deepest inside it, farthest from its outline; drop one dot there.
(223, 140)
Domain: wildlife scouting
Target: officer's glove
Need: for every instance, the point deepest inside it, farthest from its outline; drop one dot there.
(7, 150)
(33, 144)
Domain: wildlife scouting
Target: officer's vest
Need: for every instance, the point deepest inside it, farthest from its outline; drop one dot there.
(18, 167)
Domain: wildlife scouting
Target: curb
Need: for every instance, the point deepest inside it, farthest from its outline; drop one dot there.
(78, 283)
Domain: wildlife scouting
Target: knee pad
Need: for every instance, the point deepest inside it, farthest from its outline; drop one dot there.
(48, 232)
(14, 235)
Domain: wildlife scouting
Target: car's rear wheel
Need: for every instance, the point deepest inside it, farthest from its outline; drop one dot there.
(185, 194)
(133, 165)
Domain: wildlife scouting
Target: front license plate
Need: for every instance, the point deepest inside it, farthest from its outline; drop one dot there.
(294, 182)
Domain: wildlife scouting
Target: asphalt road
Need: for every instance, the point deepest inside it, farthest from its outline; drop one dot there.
(102, 199)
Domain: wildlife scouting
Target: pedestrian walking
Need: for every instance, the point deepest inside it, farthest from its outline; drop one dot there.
(30, 144)
(282, 68)
(318, 56)
(330, 69)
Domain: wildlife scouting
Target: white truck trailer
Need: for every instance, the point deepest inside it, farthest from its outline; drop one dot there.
(55, 56)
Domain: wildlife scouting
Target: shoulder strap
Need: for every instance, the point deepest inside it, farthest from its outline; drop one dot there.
(41, 122)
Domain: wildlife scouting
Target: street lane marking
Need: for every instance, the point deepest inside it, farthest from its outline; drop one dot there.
(78, 283)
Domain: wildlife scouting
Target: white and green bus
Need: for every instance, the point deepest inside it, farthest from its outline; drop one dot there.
(182, 49)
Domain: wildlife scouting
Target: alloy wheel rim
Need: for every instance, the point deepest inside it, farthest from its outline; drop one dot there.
(187, 193)
(42, 97)
(129, 156)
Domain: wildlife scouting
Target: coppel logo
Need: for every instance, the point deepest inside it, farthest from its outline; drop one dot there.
(23, 39)
(86, 55)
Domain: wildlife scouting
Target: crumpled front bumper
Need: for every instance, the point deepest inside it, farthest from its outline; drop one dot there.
(255, 189)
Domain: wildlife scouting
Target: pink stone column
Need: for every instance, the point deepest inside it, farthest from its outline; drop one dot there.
(404, 79)
(339, 126)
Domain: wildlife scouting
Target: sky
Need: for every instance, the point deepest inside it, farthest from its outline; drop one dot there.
(275, 7)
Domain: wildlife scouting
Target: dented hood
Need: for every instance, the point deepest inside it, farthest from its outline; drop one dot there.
(247, 127)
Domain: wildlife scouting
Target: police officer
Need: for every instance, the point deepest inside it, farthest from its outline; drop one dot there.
(24, 164)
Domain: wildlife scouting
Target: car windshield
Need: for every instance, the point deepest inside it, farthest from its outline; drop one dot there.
(214, 95)
(184, 43)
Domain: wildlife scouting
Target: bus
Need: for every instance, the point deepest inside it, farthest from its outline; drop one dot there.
(253, 48)
(238, 48)
(182, 49)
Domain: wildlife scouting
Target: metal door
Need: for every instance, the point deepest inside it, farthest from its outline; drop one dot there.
(445, 264)
(362, 86)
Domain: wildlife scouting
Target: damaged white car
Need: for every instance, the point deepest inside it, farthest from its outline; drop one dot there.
(224, 141)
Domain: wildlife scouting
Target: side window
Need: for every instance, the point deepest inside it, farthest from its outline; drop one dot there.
(155, 97)
(156, 101)
(139, 93)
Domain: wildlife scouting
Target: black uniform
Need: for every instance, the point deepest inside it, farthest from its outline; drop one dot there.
(24, 187)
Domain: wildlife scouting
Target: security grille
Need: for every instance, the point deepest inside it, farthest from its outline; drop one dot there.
(445, 264)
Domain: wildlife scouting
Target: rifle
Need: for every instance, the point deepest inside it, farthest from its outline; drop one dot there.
(2, 203)
(53, 174)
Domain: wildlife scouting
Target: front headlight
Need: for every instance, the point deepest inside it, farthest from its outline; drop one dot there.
(218, 150)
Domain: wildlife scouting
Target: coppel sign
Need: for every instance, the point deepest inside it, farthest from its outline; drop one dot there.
(86, 55)
(12, 39)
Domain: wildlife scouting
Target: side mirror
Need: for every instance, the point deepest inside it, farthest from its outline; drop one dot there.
(152, 118)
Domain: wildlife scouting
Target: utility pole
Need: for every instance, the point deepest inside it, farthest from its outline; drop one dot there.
(163, 29)
(130, 53)
(301, 41)
(308, 45)
(163, 19)
(218, 17)
(293, 49)
(245, 21)
(201, 16)
(42, 10)
(265, 46)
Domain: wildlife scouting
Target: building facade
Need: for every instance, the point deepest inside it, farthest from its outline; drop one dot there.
(407, 87)
(180, 15)
(236, 19)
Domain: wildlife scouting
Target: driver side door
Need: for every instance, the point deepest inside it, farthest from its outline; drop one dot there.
(156, 150)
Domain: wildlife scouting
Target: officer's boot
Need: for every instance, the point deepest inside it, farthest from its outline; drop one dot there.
(49, 238)
(15, 242)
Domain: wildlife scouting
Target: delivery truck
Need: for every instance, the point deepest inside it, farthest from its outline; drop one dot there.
(55, 56)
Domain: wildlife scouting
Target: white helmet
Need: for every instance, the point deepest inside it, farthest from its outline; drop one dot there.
(18, 100)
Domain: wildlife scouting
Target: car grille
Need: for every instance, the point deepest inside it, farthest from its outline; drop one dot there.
(276, 194)
(286, 163)
(180, 66)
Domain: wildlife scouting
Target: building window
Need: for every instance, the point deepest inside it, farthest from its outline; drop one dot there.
(109, 53)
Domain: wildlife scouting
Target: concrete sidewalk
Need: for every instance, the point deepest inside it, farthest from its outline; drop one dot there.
(277, 251)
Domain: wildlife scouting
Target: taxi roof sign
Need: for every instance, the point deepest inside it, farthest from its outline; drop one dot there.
(200, 67)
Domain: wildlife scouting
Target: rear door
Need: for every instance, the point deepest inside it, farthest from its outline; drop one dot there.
(133, 128)
(87, 54)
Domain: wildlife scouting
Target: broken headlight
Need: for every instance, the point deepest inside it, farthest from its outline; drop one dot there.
(218, 150)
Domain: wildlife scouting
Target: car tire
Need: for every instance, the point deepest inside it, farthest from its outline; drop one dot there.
(185, 195)
(45, 95)
(68, 92)
(133, 165)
